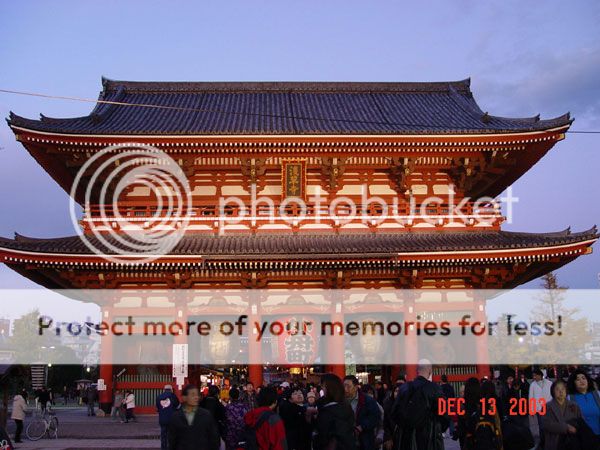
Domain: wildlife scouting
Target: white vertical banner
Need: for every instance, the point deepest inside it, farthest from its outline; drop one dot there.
(180, 363)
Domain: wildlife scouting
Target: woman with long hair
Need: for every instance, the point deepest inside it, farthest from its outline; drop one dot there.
(334, 426)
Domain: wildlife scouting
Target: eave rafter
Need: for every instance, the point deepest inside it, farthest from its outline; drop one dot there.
(402, 269)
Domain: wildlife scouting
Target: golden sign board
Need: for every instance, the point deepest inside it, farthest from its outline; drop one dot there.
(293, 178)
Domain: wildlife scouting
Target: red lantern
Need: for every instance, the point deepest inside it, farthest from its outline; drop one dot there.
(298, 343)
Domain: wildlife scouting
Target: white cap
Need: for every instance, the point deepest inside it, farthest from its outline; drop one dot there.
(168, 387)
(285, 384)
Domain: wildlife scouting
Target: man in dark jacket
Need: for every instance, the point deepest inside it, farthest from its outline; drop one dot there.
(192, 427)
(293, 414)
(213, 405)
(428, 435)
(366, 412)
(166, 404)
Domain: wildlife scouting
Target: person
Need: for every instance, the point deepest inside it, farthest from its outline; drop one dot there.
(166, 404)
(389, 427)
(524, 385)
(293, 414)
(248, 397)
(192, 427)
(19, 409)
(234, 419)
(5, 439)
(311, 407)
(559, 411)
(266, 423)
(334, 425)
(540, 391)
(472, 406)
(507, 392)
(493, 413)
(214, 406)
(382, 392)
(129, 407)
(449, 393)
(117, 410)
(91, 395)
(366, 413)
(311, 399)
(581, 391)
(400, 380)
(416, 412)
(43, 399)
(516, 433)
(367, 389)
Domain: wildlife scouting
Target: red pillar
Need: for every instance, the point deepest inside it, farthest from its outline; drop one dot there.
(336, 352)
(411, 351)
(106, 369)
(481, 344)
(255, 362)
(255, 374)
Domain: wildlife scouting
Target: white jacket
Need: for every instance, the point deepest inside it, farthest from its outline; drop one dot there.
(130, 401)
(540, 390)
(19, 408)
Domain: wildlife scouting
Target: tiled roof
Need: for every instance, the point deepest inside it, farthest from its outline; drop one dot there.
(327, 246)
(301, 108)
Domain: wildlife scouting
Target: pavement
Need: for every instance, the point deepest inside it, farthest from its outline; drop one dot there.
(78, 431)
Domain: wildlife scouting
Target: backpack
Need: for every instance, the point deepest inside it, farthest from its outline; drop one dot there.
(414, 409)
(484, 433)
(249, 441)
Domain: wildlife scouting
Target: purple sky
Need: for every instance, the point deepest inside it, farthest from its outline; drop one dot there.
(523, 58)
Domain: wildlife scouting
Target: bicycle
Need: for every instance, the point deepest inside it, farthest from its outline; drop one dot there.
(44, 424)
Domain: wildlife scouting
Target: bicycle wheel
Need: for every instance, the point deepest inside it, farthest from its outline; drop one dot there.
(53, 427)
(36, 430)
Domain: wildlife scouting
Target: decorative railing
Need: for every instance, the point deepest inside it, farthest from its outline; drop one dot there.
(334, 216)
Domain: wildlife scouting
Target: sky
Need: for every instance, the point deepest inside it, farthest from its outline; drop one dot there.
(523, 58)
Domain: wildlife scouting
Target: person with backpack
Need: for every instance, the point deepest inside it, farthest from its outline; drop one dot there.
(416, 412)
(166, 404)
(264, 428)
(334, 425)
(478, 430)
(366, 413)
(192, 427)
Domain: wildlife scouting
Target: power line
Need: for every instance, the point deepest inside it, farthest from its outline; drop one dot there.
(217, 111)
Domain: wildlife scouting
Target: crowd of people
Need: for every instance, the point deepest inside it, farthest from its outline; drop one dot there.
(337, 414)
(343, 414)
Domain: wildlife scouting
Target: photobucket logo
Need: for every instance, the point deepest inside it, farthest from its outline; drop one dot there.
(104, 181)
(371, 211)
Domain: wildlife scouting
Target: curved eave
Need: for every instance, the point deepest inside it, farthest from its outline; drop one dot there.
(25, 134)
(530, 254)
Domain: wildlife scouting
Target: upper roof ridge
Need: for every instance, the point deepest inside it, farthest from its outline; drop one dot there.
(110, 85)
